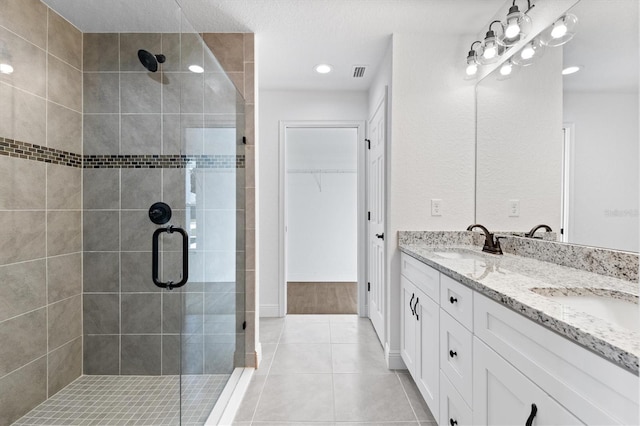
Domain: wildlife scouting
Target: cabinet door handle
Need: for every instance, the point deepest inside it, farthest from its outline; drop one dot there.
(415, 309)
(452, 354)
(411, 307)
(534, 411)
(453, 422)
(453, 300)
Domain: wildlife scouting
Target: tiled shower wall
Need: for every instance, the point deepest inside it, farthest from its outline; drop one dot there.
(40, 206)
(130, 115)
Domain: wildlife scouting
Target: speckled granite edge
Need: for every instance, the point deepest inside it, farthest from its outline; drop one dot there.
(612, 263)
(607, 350)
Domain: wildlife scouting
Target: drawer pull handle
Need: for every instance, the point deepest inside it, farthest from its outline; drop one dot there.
(453, 422)
(411, 307)
(452, 354)
(415, 309)
(453, 300)
(534, 411)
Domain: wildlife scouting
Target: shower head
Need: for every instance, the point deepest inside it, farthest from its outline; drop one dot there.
(149, 60)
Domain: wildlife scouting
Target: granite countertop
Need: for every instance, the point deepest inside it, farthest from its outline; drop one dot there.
(509, 280)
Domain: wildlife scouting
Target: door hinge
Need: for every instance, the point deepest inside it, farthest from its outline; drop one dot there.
(561, 231)
(368, 141)
(244, 325)
(368, 286)
(368, 215)
(244, 140)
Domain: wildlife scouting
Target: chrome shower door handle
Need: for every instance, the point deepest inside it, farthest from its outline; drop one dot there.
(155, 264)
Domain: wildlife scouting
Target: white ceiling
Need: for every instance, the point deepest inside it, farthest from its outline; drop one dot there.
(293, 35)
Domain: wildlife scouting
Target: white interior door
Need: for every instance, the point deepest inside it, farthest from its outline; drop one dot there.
(376, 214)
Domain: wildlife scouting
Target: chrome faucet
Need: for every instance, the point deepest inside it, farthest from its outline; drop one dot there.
(490, 246)
(531, 233)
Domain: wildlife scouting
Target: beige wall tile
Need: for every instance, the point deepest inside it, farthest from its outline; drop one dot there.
(249, 47)
(65, 321)
(65, 365)
(101, 52)
(65, 84)
(250, 166)
(24, 236)
(24, 339)
(64, 232)
(27, 18)
(65, 40)
(228, 49)
(23, 288)
(64, 128)
(237, 78)
(28, 62)
(22, 184)
(22, 115)
(249, 82)
(249, 127)
(22, 390)
(64, 276)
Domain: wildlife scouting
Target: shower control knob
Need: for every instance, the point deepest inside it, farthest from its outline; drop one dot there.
(160, 213)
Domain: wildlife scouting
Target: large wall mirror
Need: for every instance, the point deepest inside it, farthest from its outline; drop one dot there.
(563, 149)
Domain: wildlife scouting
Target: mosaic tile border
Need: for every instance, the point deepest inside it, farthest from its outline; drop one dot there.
(163, 161)
(27, 151)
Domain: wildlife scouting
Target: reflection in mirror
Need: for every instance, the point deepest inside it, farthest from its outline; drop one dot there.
(563, 150)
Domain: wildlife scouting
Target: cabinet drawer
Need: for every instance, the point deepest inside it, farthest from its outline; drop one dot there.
(453, 409)
(456, 357)
(424, 277)
(457, 300)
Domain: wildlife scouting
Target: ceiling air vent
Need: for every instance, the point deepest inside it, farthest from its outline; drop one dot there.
(358, 71)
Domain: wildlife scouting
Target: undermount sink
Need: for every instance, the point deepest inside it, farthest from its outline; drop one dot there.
(616, 307)
(457, 255)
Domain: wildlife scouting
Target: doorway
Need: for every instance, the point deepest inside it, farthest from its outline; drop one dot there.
(322, 201)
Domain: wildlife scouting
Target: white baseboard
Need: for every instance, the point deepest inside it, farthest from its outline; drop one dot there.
(393, 358)
(269, 311)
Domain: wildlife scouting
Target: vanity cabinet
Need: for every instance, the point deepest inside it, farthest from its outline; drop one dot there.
(476, 361)
(421, 327)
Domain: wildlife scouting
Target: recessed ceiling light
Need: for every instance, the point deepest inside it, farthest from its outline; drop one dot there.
(570, 70)
(323, 68)
(196, 68)
(6, 69)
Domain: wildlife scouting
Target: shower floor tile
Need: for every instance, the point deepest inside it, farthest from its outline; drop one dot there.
(130, 400)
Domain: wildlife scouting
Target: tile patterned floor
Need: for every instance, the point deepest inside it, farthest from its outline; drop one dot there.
(130, 400)
(328, 370)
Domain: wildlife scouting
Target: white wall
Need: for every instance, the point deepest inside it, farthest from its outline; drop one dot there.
(431, 150)
(276, 106)
(604, 194)
(519, 138)
(321, 204)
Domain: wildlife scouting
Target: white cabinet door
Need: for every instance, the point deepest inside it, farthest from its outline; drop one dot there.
(427, 359)
(408, 344)
(456, 355)
(504, 396)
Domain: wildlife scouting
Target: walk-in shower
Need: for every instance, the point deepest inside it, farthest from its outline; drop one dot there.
(122, 185)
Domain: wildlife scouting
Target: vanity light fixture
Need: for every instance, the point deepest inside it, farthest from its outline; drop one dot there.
(571, 70)
(196, 69)
(323, 68)
(560, 32)
(518, 25)
(529, 53)
(490, 48)
(472, 60)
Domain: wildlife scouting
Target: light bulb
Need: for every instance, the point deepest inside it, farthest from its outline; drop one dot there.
(323, 69)
(527, 52)
(6, 69)
(472, 69)
(570, 70)
(196, 69)
(513, 29)
(506, 69)
(559, 30)
(489, 52)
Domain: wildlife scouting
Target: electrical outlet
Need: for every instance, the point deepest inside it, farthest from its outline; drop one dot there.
(436, 207)
(514, 208)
